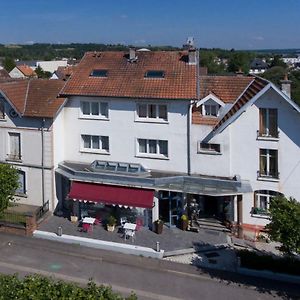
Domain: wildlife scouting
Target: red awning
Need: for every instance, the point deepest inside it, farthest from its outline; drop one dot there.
(110, 194)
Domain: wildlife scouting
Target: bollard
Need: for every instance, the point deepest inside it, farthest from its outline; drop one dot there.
(157, 247)
(59, 231)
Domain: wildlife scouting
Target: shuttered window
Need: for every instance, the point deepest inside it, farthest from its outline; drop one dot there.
(14, 146)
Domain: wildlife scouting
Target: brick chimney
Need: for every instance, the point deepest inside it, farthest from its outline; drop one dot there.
(286, 86)
(192, 56)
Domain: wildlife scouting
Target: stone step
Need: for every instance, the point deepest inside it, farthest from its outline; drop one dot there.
(214, 228)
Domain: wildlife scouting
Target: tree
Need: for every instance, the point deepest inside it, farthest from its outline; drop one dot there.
(41, 73)
(285, 223)
(240, 61)
(8, 64)
(278, 62)
(9, 182)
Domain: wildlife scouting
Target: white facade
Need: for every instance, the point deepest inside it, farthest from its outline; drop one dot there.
(124, 128)
(240, 151)
(16, 73)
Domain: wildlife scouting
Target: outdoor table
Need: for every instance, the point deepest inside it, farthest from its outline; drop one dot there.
(88, 220)
(129, 229)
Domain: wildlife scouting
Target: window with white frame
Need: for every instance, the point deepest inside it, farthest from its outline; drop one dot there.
(268, 126)
(268, 163)
(14, 146)
(156, 148)
(211, 110)
(152, 112)
(262, 199)
(209, 147)
(95, 143)
(22, 183)
(2, 109)
(94, 109)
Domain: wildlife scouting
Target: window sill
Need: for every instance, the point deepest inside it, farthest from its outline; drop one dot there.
(209, 152)
(14, 159)
(154, 121)
(268, 138)
(21, 195)
(161, 157)
(93, 118)
(94, 152)
(272, 179)
(3, 120)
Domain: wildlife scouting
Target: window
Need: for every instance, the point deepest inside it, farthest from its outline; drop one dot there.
(268, 163)
(22, 187)
(99, 73)
(207, 147)
(14, 146)
(210, 110)
(153, 112)
(153, 147)
(2, 110)
(95, 142)
(262, 199)
(94, 109)
(155, 74)
(268, 122)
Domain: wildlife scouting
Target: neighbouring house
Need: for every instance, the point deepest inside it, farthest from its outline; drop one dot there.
(27, 112)
(4, 74)
(22, 71)
(258, 66)
(63, 73)
(51, 65)
(145, 134)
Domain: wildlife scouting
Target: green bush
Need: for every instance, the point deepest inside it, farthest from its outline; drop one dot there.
(253, 260)
(35, 287)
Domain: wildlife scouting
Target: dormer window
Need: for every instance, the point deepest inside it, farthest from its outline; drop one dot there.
(155, 74)
(99, 73)
(210, 110)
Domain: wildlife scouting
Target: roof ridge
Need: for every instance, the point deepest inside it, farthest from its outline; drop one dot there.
(26, 96)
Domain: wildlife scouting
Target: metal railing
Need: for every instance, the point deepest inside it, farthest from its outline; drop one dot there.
(8, 217)
(42, 210)
(267, 135)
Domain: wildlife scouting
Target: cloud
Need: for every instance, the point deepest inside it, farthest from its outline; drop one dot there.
(29, 42)
(124, 16)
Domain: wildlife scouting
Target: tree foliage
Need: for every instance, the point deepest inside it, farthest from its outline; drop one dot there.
(285, 223)
(41, 73)
(9, 182)
(38, 287)
(8, 64)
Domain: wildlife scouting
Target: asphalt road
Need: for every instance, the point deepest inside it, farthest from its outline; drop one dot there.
(148, 278)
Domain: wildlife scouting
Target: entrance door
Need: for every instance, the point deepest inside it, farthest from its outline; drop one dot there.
(170, 207)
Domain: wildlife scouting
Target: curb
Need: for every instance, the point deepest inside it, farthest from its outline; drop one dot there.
(99, 244)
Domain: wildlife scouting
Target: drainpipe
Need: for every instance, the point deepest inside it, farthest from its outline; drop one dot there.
(43, 162)
(189, 117)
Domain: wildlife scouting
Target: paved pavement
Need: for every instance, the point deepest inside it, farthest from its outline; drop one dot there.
(170, 239)
(148, 278)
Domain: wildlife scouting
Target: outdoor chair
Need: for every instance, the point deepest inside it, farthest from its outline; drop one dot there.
(123, 220)
(87, 227)
(130, 233)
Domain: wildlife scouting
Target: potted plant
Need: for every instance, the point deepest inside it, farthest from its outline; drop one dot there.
(111, 223)
(74, 219)
(184, 222)
(158, 226)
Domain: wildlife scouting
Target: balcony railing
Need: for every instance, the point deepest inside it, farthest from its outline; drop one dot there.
(268, 174)
(267, 135)
(259, 211)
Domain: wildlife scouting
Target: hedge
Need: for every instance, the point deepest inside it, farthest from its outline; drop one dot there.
(35, 287)
(254, 260)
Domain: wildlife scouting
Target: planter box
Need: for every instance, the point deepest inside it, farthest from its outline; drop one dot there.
(110, 228)
(158, 227)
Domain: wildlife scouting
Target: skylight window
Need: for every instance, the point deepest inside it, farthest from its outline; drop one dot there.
(155, 74)
(99, 73)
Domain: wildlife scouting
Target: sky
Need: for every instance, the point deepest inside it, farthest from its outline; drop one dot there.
(238, 24)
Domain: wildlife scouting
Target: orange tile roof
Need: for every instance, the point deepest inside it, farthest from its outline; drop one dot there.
(126, 79)
(35, 97)
(65, 72)
(26, 70)
(254, 88)
(226, 88)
